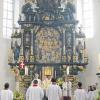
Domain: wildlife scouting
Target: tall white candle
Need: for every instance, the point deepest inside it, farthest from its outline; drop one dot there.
(68, 70)
(26, 70)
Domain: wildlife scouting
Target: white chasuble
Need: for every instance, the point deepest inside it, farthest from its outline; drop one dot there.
(54, 92)
(80, 94)
(6, 95)
(34, 93)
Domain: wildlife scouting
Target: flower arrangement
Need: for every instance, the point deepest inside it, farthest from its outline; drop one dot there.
(60, 82)
(18, 96)
(81, 68)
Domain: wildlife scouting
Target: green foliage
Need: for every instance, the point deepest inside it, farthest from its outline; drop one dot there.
(98, 96)
(22, 72)
(60, 81)
(18, 96)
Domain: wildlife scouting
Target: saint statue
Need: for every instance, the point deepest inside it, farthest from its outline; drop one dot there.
(67, 89)
(79, 49)
(70, 8)
(16, 51)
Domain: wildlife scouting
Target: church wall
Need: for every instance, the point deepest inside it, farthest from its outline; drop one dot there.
(5, 74)
(89, 77)
(17, 11)
(1, 16)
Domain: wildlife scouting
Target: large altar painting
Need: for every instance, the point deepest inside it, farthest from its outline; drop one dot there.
(48, 46)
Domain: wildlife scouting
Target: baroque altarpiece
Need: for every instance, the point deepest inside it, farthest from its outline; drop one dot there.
(48, 40)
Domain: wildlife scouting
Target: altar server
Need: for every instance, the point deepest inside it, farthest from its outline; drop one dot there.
(54, 91)
(80, 94)
(34, 92)
(6, 94)
(67, 89)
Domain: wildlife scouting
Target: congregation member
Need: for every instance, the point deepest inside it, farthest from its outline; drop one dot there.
(80, 93)
(6, 94)
(67, 89)
(91, 94)
(54, 91)
(95, 90)
(34, 92)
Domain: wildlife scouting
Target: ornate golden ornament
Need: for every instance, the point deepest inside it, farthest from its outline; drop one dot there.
(64, 58)
(31, 58)
(86, 59)
(10, 56)
(74, 58)
(21, 58)
(48, 71)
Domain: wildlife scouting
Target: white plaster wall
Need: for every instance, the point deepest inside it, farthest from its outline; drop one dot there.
(1, 16)
(93, 45)
(5, 74)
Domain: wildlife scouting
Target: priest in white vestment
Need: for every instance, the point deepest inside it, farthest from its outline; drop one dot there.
(46, 82)
(34, 92)
(54, 91)
(91, 94)
(67, 89)
(80, 94)
(6, 94)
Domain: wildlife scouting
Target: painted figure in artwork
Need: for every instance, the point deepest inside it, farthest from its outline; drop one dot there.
(16, 51)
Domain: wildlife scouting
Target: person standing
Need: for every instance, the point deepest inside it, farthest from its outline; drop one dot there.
(34, 92)
(6, 94)
(67, 89)
(80, 94)
(54, 91)
(37, 78)
(91, 94)
(45, 84)
(95, 90)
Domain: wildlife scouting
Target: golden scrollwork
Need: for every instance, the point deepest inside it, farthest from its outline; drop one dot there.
(48, 45)
(21, 58)
(31, 58)
(48, 71)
